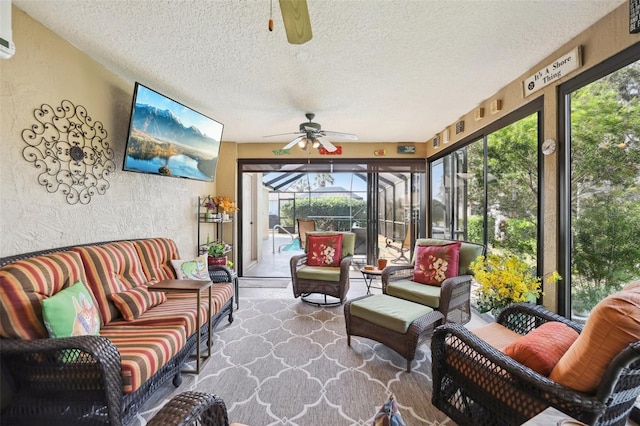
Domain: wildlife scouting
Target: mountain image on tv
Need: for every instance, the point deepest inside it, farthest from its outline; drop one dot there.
(159, 142)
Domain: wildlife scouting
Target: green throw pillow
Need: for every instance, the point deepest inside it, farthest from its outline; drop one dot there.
(71, 312)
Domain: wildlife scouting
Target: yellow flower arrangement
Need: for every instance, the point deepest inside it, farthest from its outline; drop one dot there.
(225, 205)
(504, 280)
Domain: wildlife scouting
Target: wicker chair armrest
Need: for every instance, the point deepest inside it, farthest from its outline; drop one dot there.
(192, 408)
(454, 341)
(395, 273)
(79, 362)
(454, 292)
(297, 261)
(524, 317)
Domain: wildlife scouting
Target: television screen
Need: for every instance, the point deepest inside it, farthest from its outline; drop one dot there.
(170, 139)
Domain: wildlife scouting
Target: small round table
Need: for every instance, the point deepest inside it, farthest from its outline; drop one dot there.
(369, 275)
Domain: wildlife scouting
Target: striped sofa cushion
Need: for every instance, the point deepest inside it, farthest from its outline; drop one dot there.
(180, 309)
(155, 256)
(133, 303)
(143, 350)
(111, 268)
(23, 286)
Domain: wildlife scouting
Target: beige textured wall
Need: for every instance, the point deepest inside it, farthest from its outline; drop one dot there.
(47, 70)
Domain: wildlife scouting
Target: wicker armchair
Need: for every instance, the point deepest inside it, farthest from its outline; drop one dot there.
(324, 280)
(191, 409)
(474, 383)
(452, 298)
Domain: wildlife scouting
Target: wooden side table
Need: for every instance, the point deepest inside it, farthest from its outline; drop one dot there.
(191, 286)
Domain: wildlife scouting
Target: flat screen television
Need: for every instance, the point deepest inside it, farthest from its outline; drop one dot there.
(167, 138)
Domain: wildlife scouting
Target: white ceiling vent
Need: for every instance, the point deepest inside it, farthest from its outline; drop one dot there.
(7, 48)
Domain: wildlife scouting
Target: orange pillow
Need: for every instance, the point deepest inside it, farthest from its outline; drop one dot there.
(434, 264)
(324, 250)
(613, 324)
(541, 348)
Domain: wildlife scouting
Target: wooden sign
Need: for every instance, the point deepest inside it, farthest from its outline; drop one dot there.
(553, 72)
(324, 151)
(406, 149)
(634, 16)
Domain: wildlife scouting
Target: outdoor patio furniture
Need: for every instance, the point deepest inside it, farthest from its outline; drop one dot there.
(308, 277)
(475, 382)
(452, 296)
(304, 226)
(397, 323)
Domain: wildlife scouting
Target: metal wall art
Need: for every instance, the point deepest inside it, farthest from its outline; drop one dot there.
(72, 151)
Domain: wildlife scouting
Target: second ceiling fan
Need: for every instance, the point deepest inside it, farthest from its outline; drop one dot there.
(312, 135)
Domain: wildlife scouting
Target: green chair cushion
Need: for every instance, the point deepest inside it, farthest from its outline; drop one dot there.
(423, 294)
(389, 312)
(319, 273)
(468, 252)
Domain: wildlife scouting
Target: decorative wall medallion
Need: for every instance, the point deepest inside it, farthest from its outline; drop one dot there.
(436, 142)
(459, 127)
(72, 151)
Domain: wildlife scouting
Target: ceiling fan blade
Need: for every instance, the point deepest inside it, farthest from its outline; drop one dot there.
(283, 134)
(293, 142)
(295, 15)
(326, 144)
(340, 135)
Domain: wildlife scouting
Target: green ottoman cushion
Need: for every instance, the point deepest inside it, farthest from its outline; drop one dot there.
(389, 312)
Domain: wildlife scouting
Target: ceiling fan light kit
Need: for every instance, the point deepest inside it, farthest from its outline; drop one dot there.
(311, 134)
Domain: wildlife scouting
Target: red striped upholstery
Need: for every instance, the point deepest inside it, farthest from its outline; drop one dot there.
(132, 303)
(180, 308)
(175, 311)
(23, 286)
(221, 294)
(143, 350)
(155, 256)
(111, 268)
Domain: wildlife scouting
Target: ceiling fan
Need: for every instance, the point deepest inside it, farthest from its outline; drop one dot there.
(295, 15)
(311, 134)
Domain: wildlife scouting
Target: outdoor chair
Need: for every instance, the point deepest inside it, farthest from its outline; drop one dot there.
(590, 373)
(304, 226)
(324, 267)
(451, 296)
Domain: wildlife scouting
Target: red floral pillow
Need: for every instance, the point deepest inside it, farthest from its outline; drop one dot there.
(434, 264)
(324, 250)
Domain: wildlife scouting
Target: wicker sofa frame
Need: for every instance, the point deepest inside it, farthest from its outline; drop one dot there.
(191, 409)
(87, 387)
(474, 383)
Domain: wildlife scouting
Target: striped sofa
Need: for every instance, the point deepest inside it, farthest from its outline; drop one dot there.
(101, 379)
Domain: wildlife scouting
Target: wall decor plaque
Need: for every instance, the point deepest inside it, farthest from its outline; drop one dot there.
(634, 16)
(406, 149)
(459, 127)
(71, 151)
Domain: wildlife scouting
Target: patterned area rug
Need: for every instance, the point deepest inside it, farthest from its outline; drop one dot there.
(283, 362)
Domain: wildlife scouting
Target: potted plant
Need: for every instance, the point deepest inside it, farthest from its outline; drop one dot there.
(216, 254)
(503, 280)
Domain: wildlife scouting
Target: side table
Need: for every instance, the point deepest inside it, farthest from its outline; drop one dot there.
(191, 286)
(369, 275)
(222, 274)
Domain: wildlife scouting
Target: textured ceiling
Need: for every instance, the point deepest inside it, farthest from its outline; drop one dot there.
(397, 71)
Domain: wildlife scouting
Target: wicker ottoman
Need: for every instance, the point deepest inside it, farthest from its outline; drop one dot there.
(396, 323)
